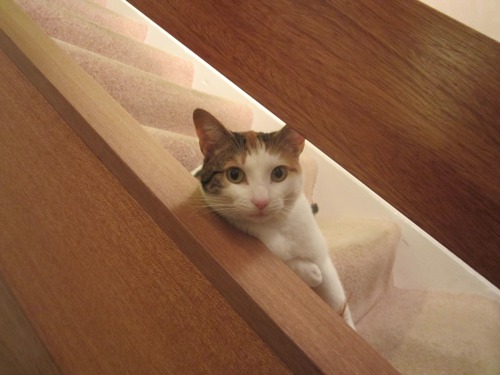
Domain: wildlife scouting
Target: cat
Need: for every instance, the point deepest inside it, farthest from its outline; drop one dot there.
(254, 181)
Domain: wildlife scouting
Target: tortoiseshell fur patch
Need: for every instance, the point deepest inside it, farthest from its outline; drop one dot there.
(233, 153)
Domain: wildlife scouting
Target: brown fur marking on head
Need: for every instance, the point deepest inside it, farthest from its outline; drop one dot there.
(251, 140)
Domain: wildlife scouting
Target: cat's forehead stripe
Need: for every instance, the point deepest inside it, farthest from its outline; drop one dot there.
(246, 144)
(251, 138)
(254, 140)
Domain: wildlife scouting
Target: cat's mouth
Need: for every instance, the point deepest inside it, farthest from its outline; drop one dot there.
(260, 216)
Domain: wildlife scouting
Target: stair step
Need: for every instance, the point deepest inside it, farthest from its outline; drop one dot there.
(363, 252)
(435, 332)
(65, 25)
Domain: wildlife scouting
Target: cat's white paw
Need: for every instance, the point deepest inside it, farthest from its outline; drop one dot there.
(309, 272)
(313, 276)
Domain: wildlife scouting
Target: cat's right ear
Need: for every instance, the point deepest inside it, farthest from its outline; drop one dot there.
(209, 130)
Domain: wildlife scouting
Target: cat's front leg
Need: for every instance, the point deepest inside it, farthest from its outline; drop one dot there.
(280, 246)
(332, 291)
(306, 270)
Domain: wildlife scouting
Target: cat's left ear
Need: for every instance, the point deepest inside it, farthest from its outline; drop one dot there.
(210, 131)
(292, 139)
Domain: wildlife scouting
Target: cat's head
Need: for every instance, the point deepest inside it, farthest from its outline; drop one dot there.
(248, 177)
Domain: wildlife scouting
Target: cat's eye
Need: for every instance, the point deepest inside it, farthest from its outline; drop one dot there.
(235, 175)
(279, 174)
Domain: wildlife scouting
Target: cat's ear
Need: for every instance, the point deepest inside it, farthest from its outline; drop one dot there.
(291, 139)
(210, 131)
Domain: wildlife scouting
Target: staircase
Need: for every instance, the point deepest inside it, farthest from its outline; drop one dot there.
(418, 331)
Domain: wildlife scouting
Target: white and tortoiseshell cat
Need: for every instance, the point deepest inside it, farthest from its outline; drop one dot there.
(254, 181)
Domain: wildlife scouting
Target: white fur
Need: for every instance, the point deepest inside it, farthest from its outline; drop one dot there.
(286, 226)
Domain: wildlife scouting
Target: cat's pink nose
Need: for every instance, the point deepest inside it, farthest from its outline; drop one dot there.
(260, 203)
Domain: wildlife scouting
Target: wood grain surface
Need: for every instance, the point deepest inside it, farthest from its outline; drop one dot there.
(21, 351)
(105, 284)
(403, 97)
(107, 291)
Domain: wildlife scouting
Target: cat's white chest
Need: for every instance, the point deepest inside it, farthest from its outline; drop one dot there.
(297, 236)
